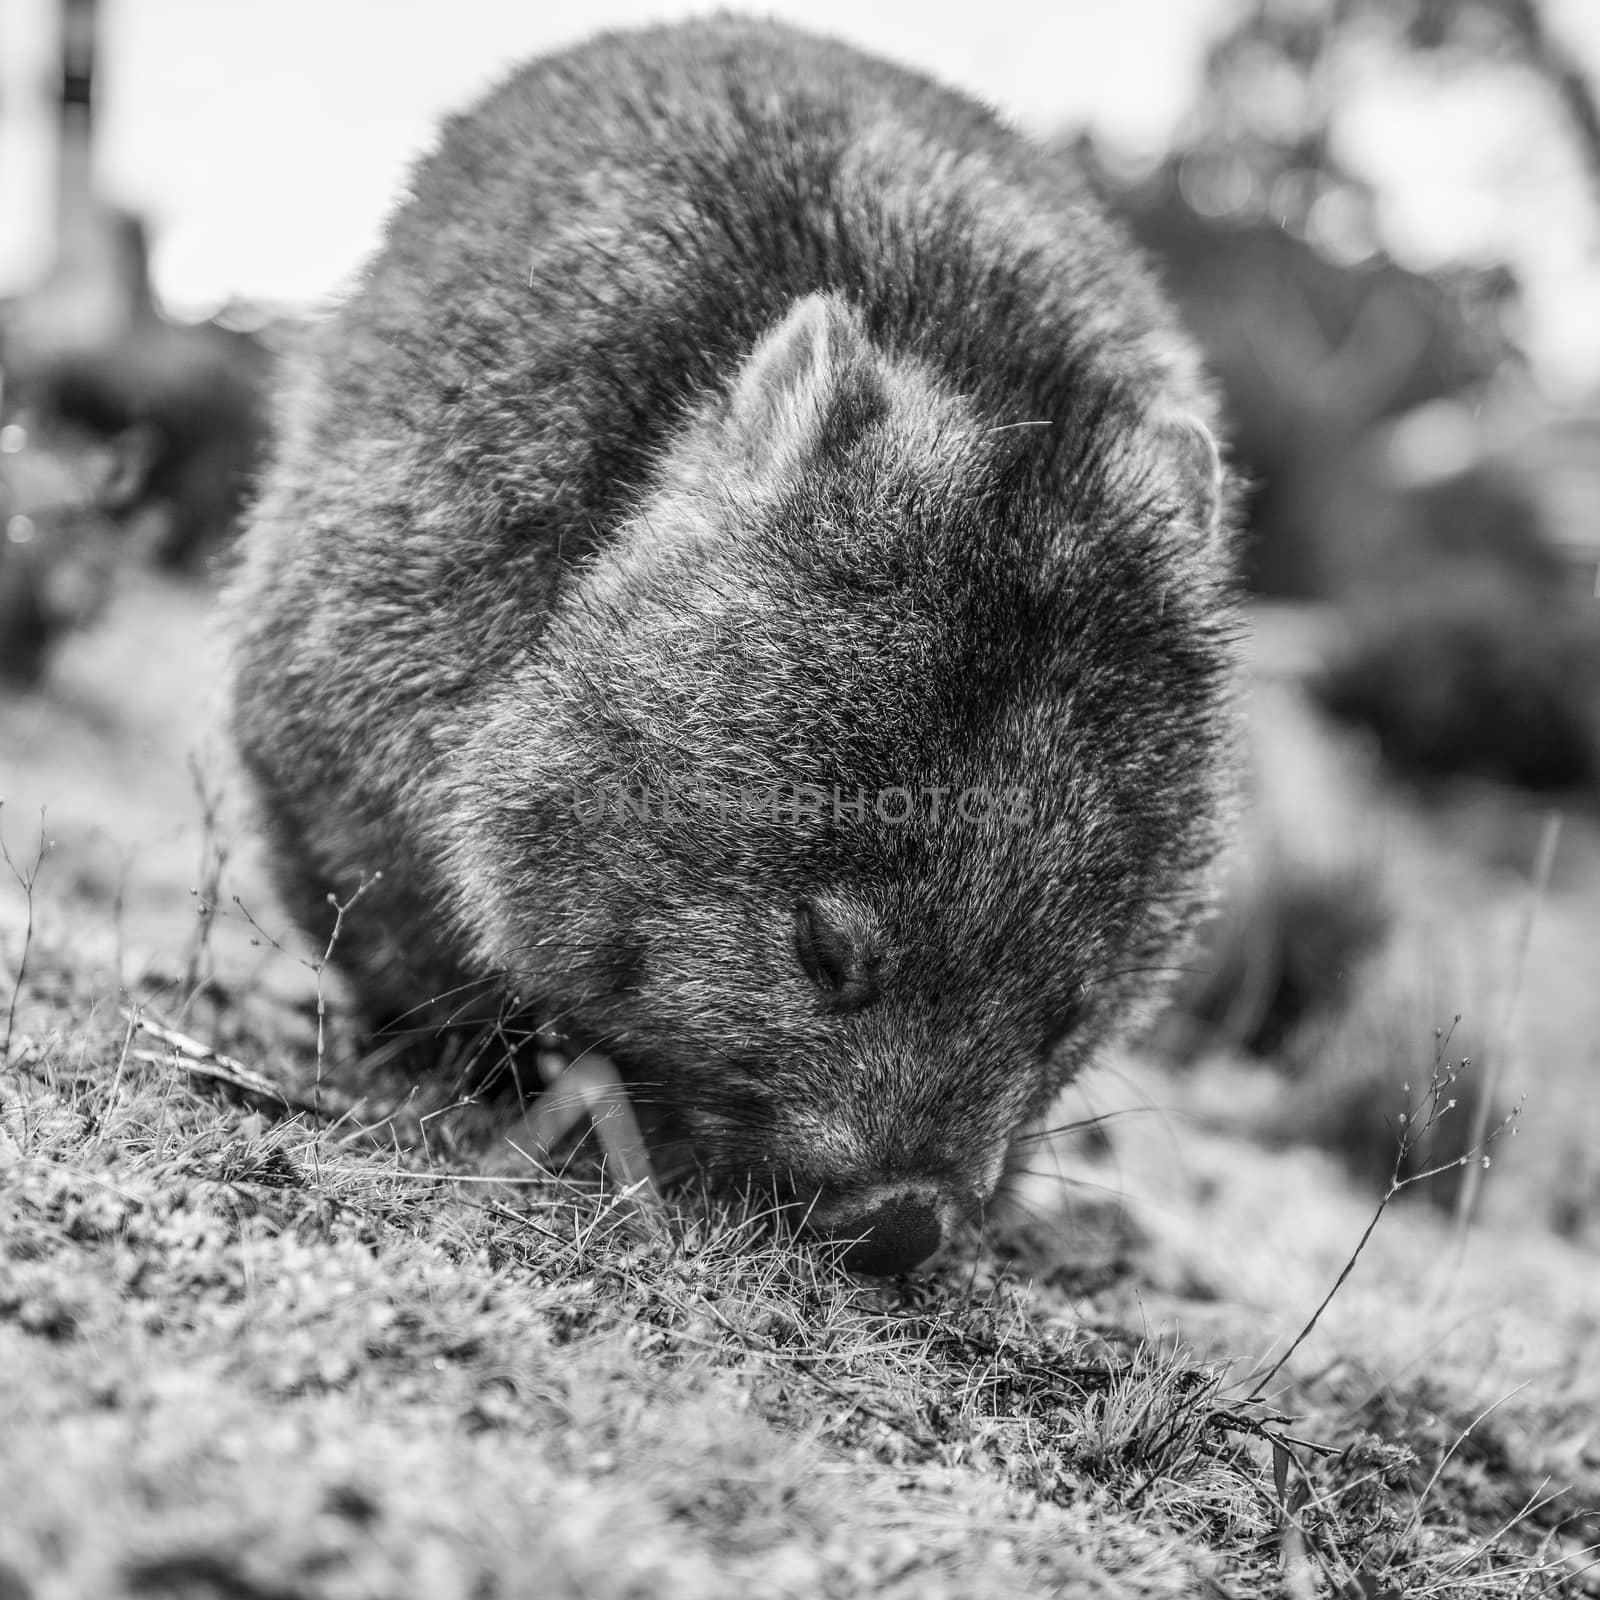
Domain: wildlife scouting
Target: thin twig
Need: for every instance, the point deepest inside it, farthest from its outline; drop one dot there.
(200, 1061)
(1414, 1130)
(27, 879)
(1544, 864)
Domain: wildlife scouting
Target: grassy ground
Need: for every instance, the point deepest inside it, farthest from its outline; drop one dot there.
(247, 1354)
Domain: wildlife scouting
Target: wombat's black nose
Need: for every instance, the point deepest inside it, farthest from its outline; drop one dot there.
(893, 1235)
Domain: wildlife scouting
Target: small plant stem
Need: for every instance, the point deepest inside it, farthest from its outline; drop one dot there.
(1415, 1127)
(1338, 1283)
(1471, 1179)
(213, 862)
(26, 879)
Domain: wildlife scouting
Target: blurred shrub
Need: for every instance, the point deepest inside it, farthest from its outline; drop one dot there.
(1285, 950)
(57, 546)
(1575, 1201)
(1301, 970)
(188, 401)
(1483, 517)
(1474, 673)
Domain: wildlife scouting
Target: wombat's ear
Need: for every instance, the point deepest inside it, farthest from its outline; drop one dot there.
(1192, 445)
(809, 385)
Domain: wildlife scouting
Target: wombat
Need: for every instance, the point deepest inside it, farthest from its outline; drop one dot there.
(744, 581)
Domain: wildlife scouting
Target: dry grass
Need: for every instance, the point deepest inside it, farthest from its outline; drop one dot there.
(256, 1357)
(255, 1347)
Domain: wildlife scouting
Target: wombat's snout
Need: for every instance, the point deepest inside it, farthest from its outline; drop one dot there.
(890, 1228)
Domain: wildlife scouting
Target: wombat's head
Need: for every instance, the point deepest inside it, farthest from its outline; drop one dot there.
(869, 779)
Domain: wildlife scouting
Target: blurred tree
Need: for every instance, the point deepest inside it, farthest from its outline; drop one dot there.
(1271, 80)
(101, 370)
(1273, 249)
(1356, 388)
(1312, 355)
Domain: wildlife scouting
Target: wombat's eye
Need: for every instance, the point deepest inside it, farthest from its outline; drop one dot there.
(844, 969)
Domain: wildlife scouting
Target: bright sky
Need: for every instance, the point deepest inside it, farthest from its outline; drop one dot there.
(265, 142)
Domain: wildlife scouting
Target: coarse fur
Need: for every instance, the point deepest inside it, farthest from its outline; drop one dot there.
(729, 414)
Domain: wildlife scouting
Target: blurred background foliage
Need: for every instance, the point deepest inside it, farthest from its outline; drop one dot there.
(1403, 467)
(1404, 471)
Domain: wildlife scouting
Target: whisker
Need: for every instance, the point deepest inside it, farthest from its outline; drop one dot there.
(1081, 1124)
